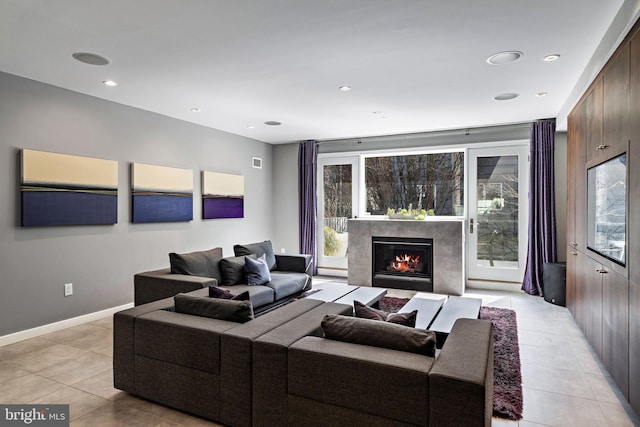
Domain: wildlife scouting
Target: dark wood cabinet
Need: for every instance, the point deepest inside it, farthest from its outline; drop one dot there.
(633, 211)
(572, 285)
(593, 118)
(615, 125)
(634, 346)
(591, 281)
(615, 327)
(602, 296)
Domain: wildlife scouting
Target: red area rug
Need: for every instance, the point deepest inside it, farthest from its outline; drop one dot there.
(507, 389)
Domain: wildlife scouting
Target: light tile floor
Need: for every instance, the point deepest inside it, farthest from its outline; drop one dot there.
(564, 384)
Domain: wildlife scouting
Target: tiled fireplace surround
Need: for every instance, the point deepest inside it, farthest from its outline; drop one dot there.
(448, 249)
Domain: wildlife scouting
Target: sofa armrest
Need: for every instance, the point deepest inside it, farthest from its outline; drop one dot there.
(462, 376)
(123, 342)
(300, 263)
(158, 284)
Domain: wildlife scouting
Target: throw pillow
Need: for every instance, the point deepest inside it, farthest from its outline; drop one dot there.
(216, 292)
(232, 269)
(379, 334)
(257, 271)
(223, 309)
(363, 311)
(200, 263)
(258, 249)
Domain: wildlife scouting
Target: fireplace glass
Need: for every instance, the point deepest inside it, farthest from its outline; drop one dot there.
(403, 263)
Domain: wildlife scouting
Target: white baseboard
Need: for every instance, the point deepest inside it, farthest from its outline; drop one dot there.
(495, 286)
(63, 324)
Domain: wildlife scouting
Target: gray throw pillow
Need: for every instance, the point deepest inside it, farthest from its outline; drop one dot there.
(256, 271)
(223, 309)
(258, 249)
(232, 269)
(379, 334)
(200, 263)
(365, 312)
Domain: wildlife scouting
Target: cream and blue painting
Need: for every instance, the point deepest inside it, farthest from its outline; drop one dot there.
(161, 194)
(222, 195)
(61, 189)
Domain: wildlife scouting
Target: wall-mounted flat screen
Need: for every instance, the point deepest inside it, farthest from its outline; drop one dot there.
(606, 208)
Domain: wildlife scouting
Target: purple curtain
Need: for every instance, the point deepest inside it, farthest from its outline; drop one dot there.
(307, 161)
(542, 209)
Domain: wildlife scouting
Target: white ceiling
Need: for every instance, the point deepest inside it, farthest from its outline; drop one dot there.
(420, 63)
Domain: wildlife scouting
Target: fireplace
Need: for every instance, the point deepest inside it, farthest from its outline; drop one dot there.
(402, 263)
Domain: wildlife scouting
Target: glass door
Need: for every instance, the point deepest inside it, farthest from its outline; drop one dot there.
(337, 203)
(498, 213)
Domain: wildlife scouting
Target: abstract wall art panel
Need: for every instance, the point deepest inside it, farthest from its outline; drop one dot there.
(161, 194)
(222, 195)
(61, 189)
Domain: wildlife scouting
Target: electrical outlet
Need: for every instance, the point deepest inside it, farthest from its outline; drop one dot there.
(68, 289)
(282, 250)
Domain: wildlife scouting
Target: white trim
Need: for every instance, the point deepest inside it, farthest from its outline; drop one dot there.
(63, 324)
(494, 286)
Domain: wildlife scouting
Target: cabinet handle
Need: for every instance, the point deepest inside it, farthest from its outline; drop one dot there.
(601, 271)
(601, 147)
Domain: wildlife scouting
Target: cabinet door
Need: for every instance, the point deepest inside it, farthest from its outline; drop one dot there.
(634, 346)
(581, 278)
(633, 223)
(592, 282)
(577, 179)
(572, 294)
(594, 118)
(615, 81)
(615, 327)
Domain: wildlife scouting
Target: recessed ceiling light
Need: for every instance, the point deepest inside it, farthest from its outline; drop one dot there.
(90, 58)
(272, 123)
(109, 83)
(251, 127)
(506, 57)
(506, 96)
(541, 94)
(196, 110)
(344, 88)
(552, 57)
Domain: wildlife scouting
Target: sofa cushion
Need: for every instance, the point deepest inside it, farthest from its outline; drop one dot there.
(256, 271)
(231, 310)
(379, 334)
(287, 283)
(365, 312)
(260, 295)
(232, 269)
(200, 263)
(258, 249)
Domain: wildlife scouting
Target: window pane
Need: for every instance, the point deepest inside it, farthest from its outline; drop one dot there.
(337, 180)
(430, 182)
(497, 211)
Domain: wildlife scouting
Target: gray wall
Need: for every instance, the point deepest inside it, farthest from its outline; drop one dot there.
(100, 260)
(285, 198)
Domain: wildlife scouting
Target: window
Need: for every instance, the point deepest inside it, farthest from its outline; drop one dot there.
(431, 182)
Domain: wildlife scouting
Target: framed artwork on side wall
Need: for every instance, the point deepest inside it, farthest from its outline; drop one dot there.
(222, 195)
(161, 194)
(62, 189)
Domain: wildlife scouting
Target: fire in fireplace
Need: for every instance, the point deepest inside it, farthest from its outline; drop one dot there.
(402, 263)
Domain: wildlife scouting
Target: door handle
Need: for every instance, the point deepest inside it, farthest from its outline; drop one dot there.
(471, 225)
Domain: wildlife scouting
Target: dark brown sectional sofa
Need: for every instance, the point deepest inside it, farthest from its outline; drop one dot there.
(278, 370)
